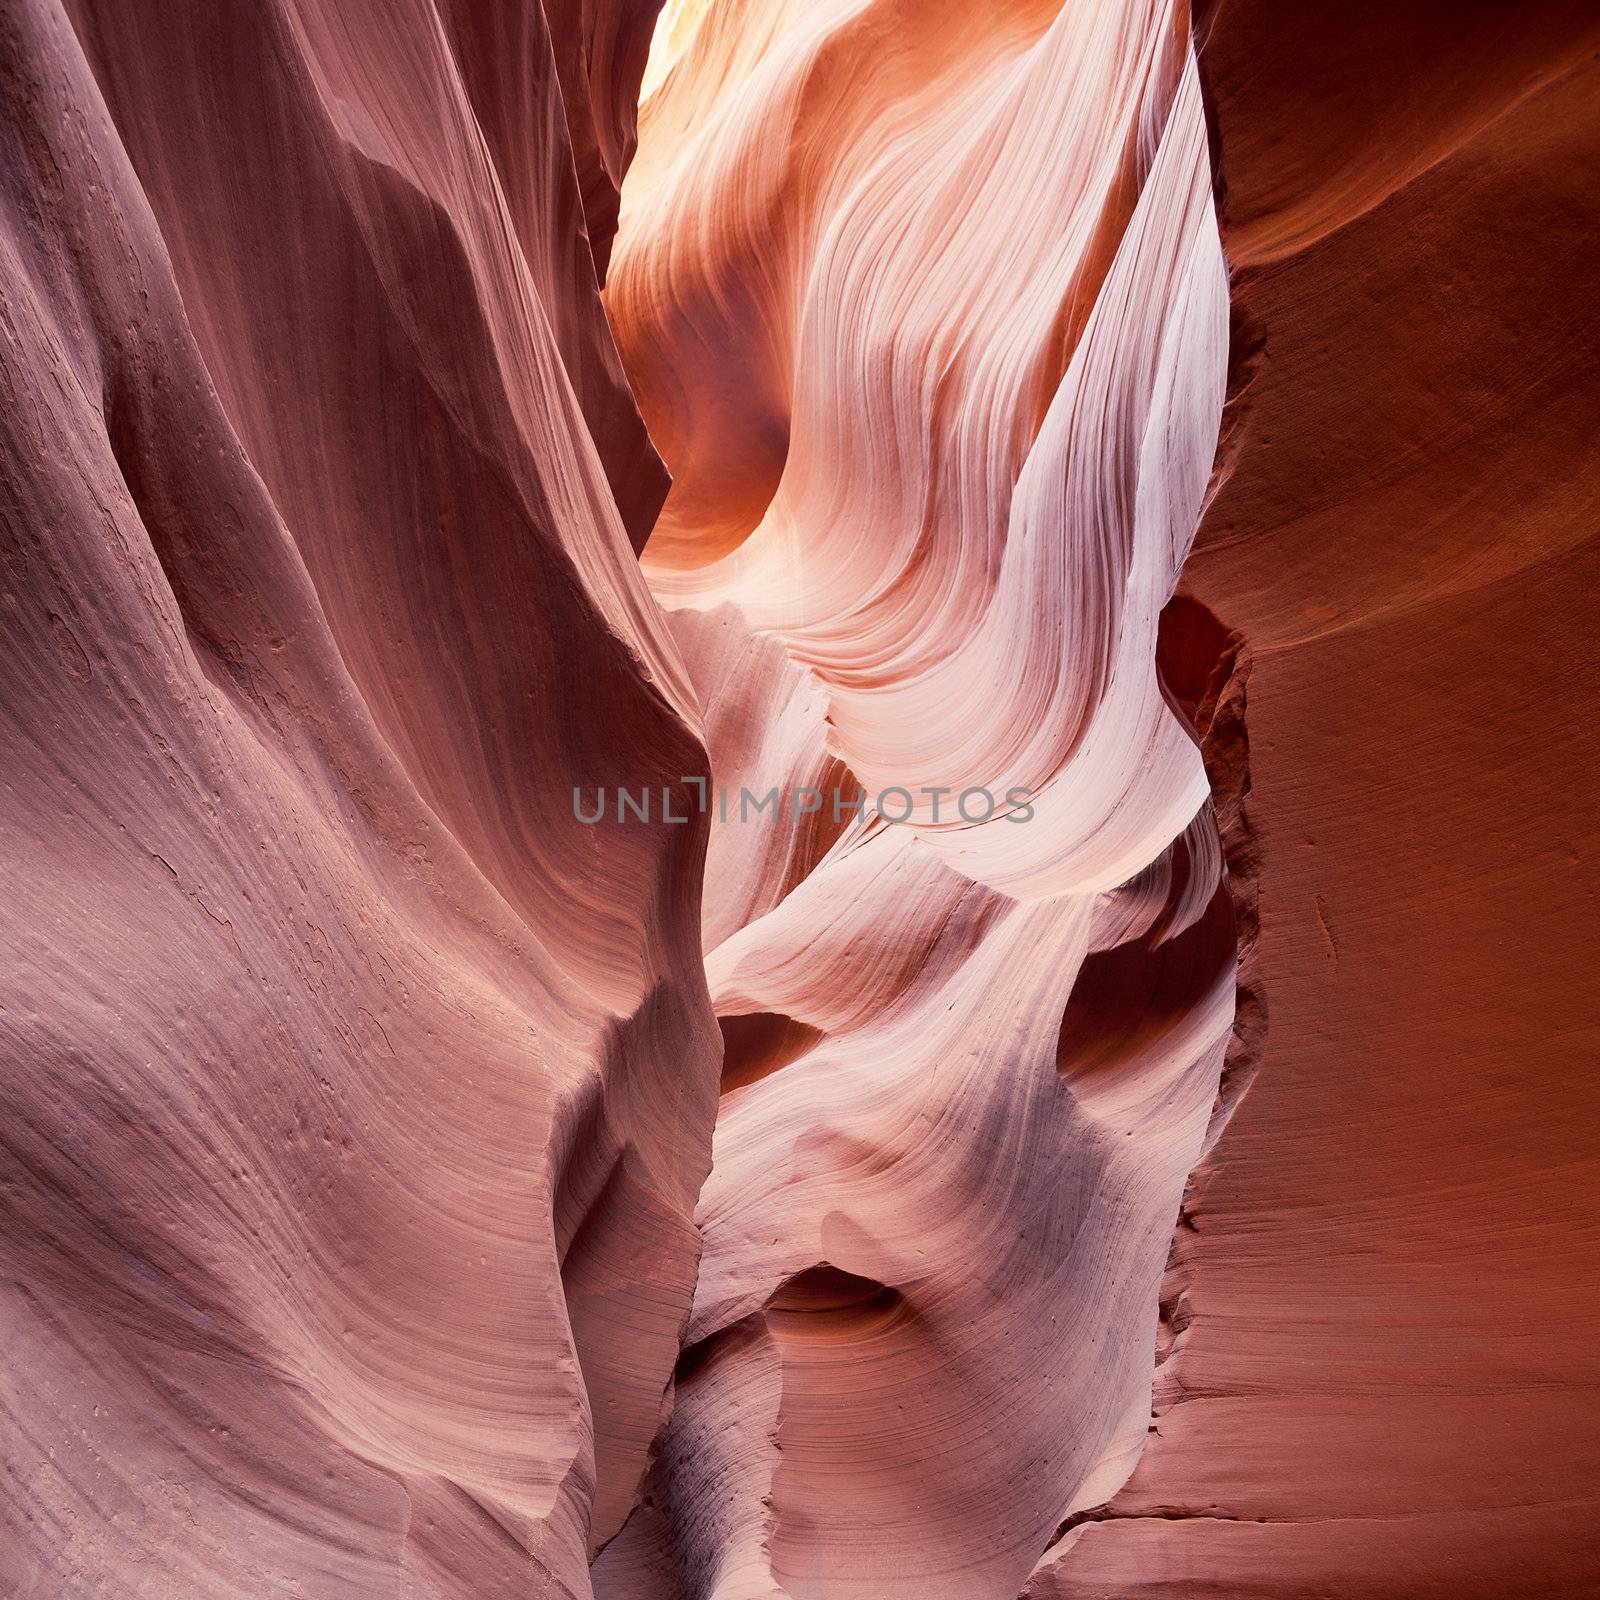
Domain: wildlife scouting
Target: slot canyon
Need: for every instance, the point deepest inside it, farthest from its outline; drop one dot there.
(798, 799)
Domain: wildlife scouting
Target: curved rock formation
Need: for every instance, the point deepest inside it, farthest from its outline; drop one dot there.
(929, 318)
(356, 1103)
(1389, 1336)
(409, 799)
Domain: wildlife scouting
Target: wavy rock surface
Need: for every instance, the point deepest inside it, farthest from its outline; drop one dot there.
(1035, 383)
(929, 317)
(1389, 1350)
(355, 1104)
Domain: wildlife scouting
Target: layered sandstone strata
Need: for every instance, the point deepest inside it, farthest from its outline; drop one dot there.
(1131, 474)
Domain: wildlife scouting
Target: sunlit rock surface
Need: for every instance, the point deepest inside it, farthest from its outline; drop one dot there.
(1148, 457)
(928, 313)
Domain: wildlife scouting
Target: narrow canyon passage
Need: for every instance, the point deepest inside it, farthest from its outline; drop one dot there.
(928, 316)
(887, 450)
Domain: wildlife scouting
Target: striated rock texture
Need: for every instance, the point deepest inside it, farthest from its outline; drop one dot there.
(1048, 390)
(927, 311)
(600, 49)
(1388, 1371)
(355, 1100)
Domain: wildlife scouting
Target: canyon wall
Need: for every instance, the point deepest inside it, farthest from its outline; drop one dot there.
(356, 1104)
(926, 308)
(1121, 481)
(1388, 1368)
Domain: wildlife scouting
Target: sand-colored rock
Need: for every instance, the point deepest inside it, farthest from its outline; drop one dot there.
(928, 317)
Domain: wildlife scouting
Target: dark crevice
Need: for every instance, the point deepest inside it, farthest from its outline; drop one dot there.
(759, 1043)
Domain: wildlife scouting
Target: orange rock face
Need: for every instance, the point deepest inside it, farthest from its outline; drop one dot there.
(1126, 567)
(929, 317)
(1388, 1335)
